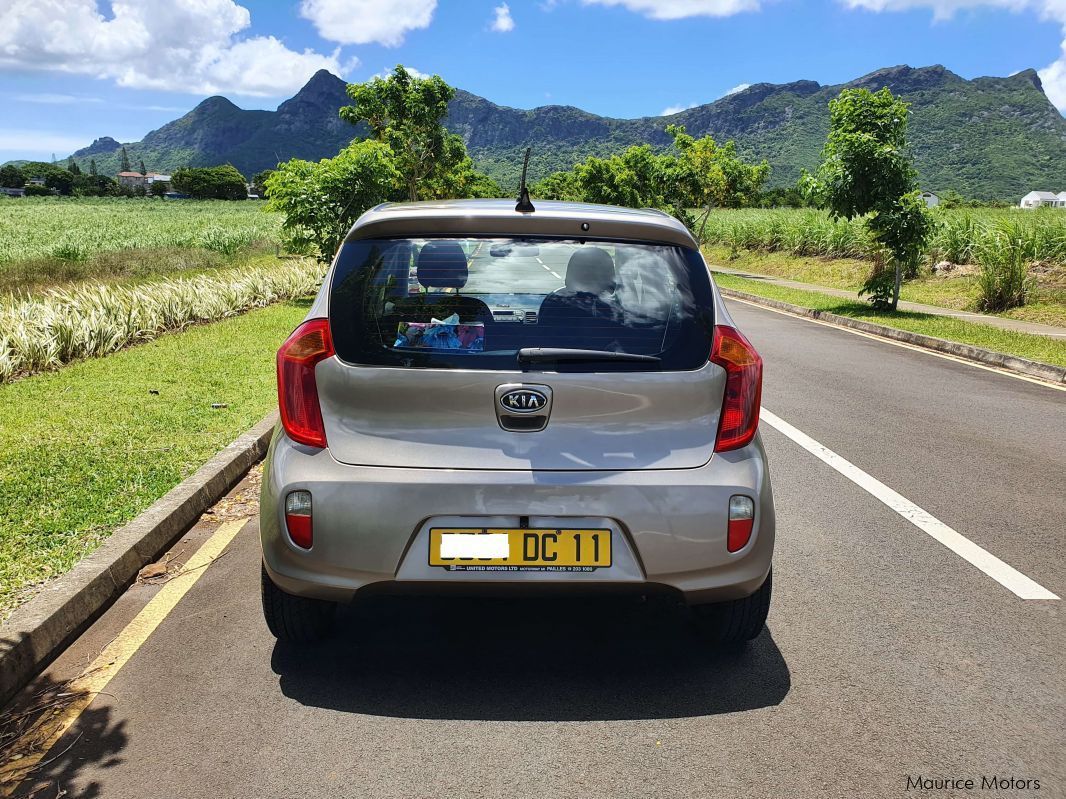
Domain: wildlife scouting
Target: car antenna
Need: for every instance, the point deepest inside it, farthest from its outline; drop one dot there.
(524, 205)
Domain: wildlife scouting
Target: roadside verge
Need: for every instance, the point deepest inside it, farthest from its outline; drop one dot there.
(39, 629)
(999, 360)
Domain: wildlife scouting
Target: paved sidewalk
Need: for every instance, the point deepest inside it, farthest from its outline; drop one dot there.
(1016, 325)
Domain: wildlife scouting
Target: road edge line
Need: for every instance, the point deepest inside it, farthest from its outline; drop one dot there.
(1044, 372)
(48, 729)
(40, 629)
(1021, 585)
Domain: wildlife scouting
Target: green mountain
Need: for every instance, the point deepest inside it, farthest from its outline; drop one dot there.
(987, 137)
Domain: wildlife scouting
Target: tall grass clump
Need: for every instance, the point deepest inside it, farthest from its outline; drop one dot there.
(61, 325)
(959, 235)
(1004, 254)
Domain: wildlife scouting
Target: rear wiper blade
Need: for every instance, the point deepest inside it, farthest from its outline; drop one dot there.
(556, 354)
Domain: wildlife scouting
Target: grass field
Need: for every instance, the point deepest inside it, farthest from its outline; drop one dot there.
(959, 236)
(52, 240)
(957, 289)
(85, 449)
(1037, 348)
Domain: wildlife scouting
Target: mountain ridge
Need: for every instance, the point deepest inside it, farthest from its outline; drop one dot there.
(989, 137)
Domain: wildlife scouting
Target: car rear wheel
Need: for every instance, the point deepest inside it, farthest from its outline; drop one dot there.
(295, 619)
(735, 622)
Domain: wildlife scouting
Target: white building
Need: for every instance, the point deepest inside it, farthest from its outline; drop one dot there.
(931, 200)
(1037, 199)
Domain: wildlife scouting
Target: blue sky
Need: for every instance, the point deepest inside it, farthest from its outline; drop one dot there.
(73, 70)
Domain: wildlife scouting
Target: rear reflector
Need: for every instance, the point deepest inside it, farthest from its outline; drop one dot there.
(298, 518)
(301, 415)
(743, 388)
(741, 520)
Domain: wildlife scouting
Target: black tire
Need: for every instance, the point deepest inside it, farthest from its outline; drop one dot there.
(737, 621)
(295, 619)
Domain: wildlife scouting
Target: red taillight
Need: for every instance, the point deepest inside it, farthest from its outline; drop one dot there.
(301, 415)
(743, 388)
(741, 522)
(298, 518)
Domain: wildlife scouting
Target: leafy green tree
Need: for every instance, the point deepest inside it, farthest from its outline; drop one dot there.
(61, 180)
(322, 200)
(142, 170)
(259, 182)
(866, 170)
(92, 167)
(72, 166)
(11, 177)
(157, 188)
(708, 175)
(125, 161)
(94, 186)
(405, 113)
(559, 186)
(211, 183)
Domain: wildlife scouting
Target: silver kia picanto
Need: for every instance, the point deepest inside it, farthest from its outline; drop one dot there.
(487, 400)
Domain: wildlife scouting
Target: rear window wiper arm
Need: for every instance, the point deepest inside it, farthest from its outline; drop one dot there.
(558, 354)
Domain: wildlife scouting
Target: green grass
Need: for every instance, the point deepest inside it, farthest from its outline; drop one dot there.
(1037, 348)
(85, 449)
(50, 240)
(1047, 303)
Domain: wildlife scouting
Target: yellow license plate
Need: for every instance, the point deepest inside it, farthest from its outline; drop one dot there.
(493, 549)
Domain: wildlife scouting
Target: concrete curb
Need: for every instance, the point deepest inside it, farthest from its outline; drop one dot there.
(38, 630)
(999, 360)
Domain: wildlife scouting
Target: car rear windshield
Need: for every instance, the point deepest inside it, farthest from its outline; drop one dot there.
(498, 303)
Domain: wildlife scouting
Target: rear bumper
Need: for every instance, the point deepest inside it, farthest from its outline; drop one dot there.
(370, 525)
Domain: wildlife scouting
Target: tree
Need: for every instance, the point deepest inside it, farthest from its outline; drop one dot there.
(158, 188)
(72, 166)
(708, 175)
(259, 182)
(92, 167)
(559, 186)
(405, 113)
(866, 170)
(211, 183)
(61, 180)
(143, 170)
(11, 177)
(322, 200)
(125, 161)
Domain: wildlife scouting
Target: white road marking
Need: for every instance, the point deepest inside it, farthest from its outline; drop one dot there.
(555, 275)
(1003, 573)
(904, 345)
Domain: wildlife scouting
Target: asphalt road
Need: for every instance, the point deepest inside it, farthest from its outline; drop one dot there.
(887, 655)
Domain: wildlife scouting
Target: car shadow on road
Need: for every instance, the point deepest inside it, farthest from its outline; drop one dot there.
(528, 660)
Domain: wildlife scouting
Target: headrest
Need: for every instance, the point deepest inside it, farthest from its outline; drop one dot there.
(442, 265)
(591, 271)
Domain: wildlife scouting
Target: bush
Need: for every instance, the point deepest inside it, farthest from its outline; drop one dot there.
(93, 320)
(1004, 281)
(211, 183)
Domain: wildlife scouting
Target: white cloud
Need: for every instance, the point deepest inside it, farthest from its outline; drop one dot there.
(47, 98)
(364, 21)
(737, 89)
(387, 71)
(187, 46)
(670, 110)
(1053, 76)
(680, 9)
(503, 22)
(32, 142)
